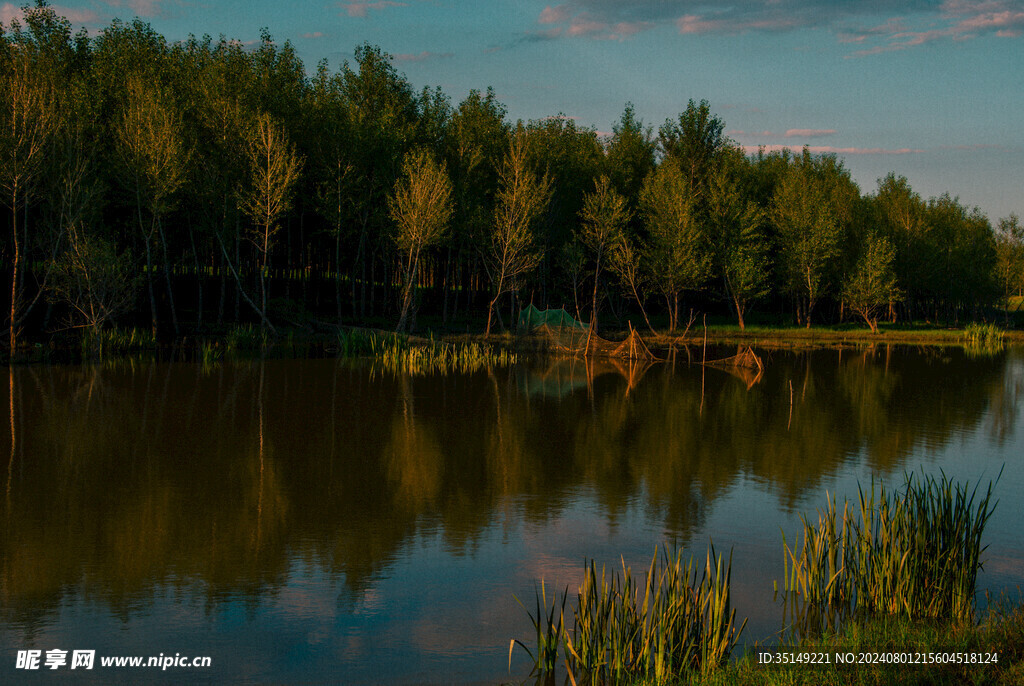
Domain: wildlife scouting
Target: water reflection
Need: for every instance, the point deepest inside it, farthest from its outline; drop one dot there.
(250, 484)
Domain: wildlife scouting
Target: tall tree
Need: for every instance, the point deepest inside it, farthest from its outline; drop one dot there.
(629, 155)
(742, 249)
(478, 137)
(678, 256)
(331, 162)
(693, 142)
(603, 217)
(809, 210)
(29, 118)
(899, 213)
(155, 159)
(421, 208)
(513, 252)
(872, 284)
(1010, 258)
(383, 125)
(273, 171)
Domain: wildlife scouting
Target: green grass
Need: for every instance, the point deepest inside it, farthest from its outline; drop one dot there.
(893, 573)
(676, 619)
(1000, 633)
(914, 553)
(396, 354)
(246, 337)
(102, 344)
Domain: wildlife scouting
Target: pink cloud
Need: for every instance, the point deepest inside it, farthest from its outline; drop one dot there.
(828, 149)
(573, 23)
(9, 12)
(964, 19)
(360, 9)
(581, 26)
(553, 15)
(141, 8)
(313, 34)
(808, 133)
(697, 24)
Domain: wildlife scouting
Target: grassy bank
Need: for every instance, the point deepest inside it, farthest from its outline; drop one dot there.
(998, 639)
(887, 580)
(796, 336)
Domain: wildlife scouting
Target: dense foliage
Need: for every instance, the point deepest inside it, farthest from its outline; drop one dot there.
(198, 183)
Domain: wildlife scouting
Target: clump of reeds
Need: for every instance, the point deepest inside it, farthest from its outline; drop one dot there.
(246, 337)
(676, 620)
(982, 339)
(102, 343)
(395, 354)
(915, 552)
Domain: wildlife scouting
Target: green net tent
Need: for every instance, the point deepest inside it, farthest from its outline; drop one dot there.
(531, 318)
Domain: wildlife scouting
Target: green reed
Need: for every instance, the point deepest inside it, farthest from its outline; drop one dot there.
(675, 620)
(103, 343)
(915, 552)
(246, 337)
(396, 354)
(982, 339)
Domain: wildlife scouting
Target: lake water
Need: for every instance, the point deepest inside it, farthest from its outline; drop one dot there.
(317, 521)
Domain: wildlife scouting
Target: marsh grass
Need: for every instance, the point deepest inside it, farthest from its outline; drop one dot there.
(981, 340)
(396, 354)
(246, 338)
(675, 619)
(914, 553)
(101, 344)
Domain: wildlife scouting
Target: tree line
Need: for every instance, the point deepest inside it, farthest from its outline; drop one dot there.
(201, 183)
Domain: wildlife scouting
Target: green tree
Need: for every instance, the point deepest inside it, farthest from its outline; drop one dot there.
(678, 257)
(810, 212)
(693, 143)
(330, 161)
(602, 219)
(421, 208)
(478, 137)
(522, 196)
(1010, 258)
(625, 261)
(629, 155)
(899, 213)
(742, 247)
(29, 118)
(95, 281)
(872, 285)
(383, 123)
(155, 159)
(273, 170)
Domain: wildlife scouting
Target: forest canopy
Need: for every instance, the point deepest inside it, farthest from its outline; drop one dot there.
(184, 186)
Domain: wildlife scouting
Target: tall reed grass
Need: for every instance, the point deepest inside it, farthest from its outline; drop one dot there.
(675, 620)
(915, 552)
(246, 337)
(99, 344)
(395, 354)
(982, 339)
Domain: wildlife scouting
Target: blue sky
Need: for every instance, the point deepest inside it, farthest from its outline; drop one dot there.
(930, 89)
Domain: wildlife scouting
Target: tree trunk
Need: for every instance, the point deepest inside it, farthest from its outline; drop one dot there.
(410, 275)
(167, 277)
(15, 258)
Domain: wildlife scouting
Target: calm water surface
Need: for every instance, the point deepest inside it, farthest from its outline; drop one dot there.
(317, 521)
